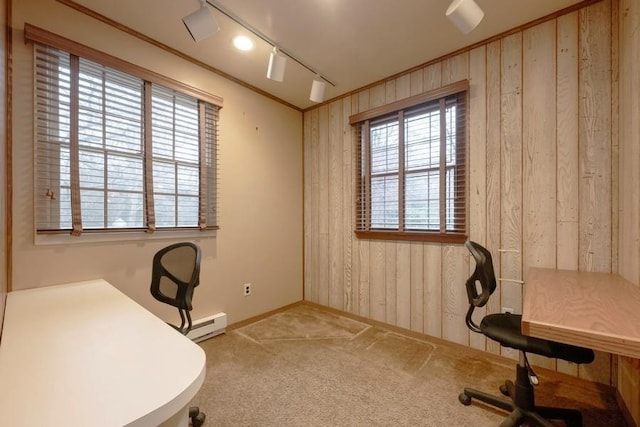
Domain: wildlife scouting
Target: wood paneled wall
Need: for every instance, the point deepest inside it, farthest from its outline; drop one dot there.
(629, 178)
(542, 165)
(5, 56)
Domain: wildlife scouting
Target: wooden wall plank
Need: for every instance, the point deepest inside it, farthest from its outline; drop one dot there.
(567, 140)
(308, 214)
(595, 138)
(539, 152)
(391, 278)
(433, 289)
(615, 132)
(511, 172)
(432, 78)
(455, 68)
(477, 150)
(364, 99)
(314, 224)
(403, 285)
(629, 191)
(595, 154)
(417, 286)
(348, 206)
(628, 378)
(335, 212)
(455, 265)
(403, 87)
(416, 82)
(567, 152)
(494, 173)
(323, 206)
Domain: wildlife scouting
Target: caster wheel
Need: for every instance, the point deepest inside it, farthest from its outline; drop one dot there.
(464, 399)
(198, 420)
(504, 390)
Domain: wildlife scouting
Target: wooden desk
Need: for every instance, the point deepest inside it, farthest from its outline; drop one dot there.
(84, 354)
(595, 310)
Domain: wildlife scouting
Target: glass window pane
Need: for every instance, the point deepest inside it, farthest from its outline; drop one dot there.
(187, 211)
(65, 167)
(124, 173)
(125, 210)
(90, 128)
(422, 141)
(165, 208)
(384, 148)
(65, 208)
(164, 177)
(422, 201)
(384, 202)
(451, 135)
(92, 202)
(188, 180)
(91, 169)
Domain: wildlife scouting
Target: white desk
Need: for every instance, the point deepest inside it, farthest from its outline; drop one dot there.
(85, 354)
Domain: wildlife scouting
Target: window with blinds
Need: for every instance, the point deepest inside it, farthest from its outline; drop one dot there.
(411, 175)
(114, 151)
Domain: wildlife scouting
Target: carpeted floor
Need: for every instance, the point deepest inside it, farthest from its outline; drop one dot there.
(310, 367)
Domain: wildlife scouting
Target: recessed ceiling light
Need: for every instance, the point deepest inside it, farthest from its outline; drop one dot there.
(243, 43)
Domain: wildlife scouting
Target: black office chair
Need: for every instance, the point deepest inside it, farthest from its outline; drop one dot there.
(175, 274)
(506, 329)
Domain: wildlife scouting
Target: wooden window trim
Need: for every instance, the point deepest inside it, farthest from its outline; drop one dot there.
(405, 103)
(39, 35)
(416, 236)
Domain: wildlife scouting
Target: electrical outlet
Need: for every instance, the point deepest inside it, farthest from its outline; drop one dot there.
(507, 310)
(247, 289)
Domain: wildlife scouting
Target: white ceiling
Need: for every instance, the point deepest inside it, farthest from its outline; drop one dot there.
(351, 42)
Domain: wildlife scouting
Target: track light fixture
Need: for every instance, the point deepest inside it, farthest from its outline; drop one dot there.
(465, 15)
(317, 89)
(201, 23)
(277, 65)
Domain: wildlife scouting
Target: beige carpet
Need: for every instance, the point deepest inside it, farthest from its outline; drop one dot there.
(309, 367)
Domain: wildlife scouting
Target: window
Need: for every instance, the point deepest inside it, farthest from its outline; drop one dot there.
(115, 151)
(412, 168)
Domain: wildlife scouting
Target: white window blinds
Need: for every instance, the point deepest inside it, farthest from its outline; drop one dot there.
(117, 152)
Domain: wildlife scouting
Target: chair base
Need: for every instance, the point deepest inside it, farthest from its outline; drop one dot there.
(197, 418)
(522, 405)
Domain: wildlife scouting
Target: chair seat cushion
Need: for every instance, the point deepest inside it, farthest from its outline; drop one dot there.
(506, 329)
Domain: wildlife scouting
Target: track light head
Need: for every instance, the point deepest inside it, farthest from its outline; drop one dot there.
(317, 89)
(277, 65)
(201, 23)
(465, 15)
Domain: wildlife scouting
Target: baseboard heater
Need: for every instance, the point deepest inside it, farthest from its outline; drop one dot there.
(208, 327)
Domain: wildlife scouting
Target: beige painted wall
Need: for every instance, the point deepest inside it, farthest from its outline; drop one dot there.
(260, 190)
(543, 142)
(629, 208)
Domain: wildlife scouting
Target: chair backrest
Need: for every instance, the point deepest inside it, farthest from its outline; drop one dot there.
(485, 276)
(175, 274)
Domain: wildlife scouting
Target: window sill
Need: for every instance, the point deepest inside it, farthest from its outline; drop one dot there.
(118, 237)
(418, 236)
